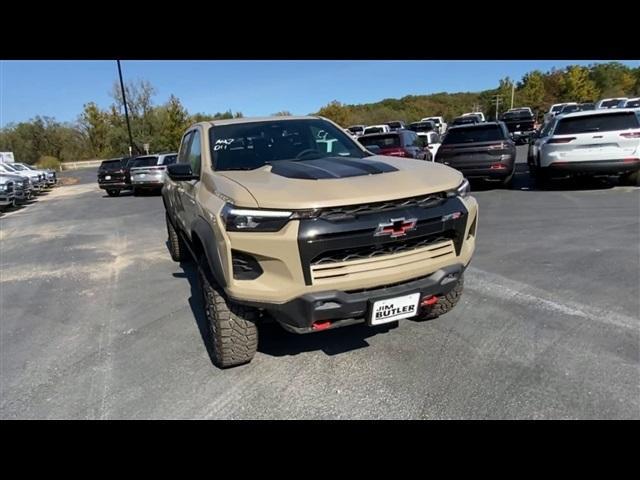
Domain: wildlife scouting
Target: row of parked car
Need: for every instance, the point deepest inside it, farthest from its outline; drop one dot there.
(145, 172)
(20, 182)
(576, 139)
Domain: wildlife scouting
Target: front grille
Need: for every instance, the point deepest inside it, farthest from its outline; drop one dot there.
(423, 201)
(426, 257)
(371, 251)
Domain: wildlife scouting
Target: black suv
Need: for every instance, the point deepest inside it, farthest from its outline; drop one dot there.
(483, 151)
(521, 125)
(113, 176)
(401, 143)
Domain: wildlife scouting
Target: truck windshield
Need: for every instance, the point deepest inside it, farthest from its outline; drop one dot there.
(251, 145)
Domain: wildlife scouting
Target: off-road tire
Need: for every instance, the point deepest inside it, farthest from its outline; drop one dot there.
(113, 193)
(177, 248)
(233, 330)
(445, 303)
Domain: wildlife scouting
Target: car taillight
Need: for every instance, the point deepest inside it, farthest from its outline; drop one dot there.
(631, 160)
(561, 140)
(394, 152)
(498, 166)
(630, 135)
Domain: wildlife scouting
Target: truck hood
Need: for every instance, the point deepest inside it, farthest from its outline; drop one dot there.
(339, 181)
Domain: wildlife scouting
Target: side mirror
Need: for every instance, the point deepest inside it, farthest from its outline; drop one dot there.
(181, 172)
(375, 149)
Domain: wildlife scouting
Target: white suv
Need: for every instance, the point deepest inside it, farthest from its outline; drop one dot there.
(594, 142)
(441, 125)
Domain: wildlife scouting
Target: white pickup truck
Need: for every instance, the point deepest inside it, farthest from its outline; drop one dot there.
(441, 125)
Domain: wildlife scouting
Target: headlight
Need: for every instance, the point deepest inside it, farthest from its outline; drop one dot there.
(3, 188)
(461, 190)
(240, 219)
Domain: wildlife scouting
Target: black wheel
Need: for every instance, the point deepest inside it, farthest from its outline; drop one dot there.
(630, 179)
(234, 334)
(113, 192)
(135, 191)
(177, 248)
(444, 303)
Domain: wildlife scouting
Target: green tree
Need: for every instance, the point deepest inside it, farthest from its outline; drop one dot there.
(613, 79)
(576, 86)
(173, 119)
(531, 91)
(94, 125)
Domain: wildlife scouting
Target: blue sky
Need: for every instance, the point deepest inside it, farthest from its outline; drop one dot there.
(60, 88)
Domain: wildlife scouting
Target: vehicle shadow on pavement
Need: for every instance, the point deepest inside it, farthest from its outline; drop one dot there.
(190, 272)
(277, 342)
(123, 193)
(523, 181)
(273, 339)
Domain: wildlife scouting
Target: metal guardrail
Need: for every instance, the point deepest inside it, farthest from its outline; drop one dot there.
(78, 165)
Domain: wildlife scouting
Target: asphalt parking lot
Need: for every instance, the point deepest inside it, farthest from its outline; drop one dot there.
(98, 322)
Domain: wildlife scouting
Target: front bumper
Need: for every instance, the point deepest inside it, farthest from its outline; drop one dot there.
(348, 308)
(601, 167)
(6, 199)
(288, 257)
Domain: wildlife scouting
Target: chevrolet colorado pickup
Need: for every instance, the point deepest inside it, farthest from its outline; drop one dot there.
(282, 227)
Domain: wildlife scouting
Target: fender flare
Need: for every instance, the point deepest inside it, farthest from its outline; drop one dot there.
(205, 234)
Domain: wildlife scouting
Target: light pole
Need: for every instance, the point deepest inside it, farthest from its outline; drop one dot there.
(513, 92)
(126, 110)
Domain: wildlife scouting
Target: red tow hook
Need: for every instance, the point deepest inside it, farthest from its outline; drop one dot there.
(320, 325)
(427, 301)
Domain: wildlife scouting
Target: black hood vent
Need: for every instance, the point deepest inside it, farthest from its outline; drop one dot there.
(329, 167)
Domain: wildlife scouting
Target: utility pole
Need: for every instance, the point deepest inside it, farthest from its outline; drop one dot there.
(513, 92)
(497, 99)
(126, 110)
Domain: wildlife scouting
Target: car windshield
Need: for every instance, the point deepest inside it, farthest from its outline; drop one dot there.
(111, 165)
(382, 141)
(597, 123)
(465, 120)
(144, 162)
(519, 115)
(610, 103)
(434, 120)
(633, 104)
(251, 145)
(19, 167)
(355, 129)
(421, 126)
(9, 168)
(369, 130)
(557, 108)
(482, 133)
(570, 108)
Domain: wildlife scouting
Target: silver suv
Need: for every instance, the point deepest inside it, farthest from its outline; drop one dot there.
(7, 195)
(148, 172)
